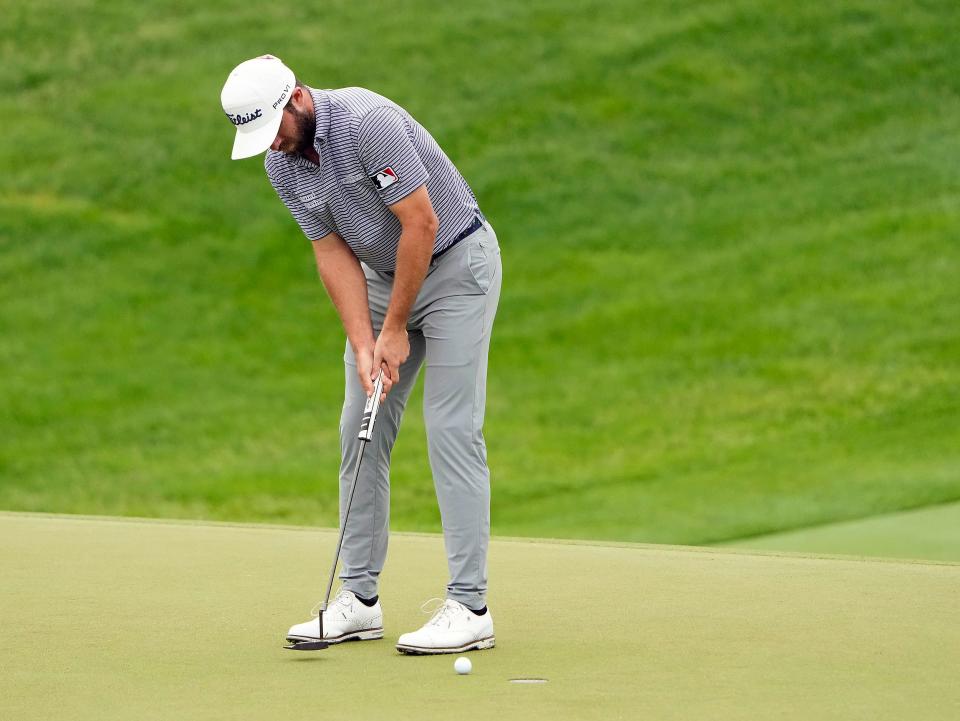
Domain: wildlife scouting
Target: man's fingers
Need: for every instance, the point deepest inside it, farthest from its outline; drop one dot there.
(374, 370)
(365, 381)
(390, 352)
(364, 363)
(389, 378)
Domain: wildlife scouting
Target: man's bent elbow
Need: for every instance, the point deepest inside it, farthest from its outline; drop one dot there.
(433, 225)
(423, 227)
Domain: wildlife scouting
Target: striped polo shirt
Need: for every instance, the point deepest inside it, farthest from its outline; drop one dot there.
(372, 154)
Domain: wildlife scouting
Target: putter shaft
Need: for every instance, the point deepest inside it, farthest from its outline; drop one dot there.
(365, 435)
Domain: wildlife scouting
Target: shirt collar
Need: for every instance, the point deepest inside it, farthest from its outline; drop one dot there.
(321, 111)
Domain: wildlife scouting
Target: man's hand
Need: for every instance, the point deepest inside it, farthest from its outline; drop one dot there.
(391, 350)
(364, 358)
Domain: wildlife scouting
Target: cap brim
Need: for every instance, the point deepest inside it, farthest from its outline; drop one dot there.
(254, 142)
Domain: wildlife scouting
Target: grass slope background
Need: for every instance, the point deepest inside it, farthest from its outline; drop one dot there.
(729, 235)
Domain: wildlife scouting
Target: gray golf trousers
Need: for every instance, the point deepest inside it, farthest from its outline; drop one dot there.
(449, 327)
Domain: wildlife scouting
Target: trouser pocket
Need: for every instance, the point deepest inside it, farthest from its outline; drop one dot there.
(482, 262)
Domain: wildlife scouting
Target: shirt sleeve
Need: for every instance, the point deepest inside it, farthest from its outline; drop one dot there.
(388, 155)
(308, 220)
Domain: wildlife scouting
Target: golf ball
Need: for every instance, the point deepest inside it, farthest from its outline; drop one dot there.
(462, 665)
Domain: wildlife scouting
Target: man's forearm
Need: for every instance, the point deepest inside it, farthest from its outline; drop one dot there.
(413, 258)
(346, 285)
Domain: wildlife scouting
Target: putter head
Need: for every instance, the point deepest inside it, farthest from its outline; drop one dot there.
(306, 645)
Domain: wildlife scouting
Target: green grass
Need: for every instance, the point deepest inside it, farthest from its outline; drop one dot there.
(729, 236)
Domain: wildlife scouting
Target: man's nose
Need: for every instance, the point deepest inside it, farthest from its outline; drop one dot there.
(276, 143)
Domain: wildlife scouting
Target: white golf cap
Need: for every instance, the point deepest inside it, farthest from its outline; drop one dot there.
(253, 98)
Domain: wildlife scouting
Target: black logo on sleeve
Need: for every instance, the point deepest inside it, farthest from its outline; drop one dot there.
(385, 178)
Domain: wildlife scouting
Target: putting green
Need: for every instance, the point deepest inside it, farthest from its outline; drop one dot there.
(125, 619)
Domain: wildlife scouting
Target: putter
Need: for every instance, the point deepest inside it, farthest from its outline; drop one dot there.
(366, 433)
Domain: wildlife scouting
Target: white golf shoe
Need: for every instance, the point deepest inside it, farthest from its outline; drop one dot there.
(452, 629)
(346, 619)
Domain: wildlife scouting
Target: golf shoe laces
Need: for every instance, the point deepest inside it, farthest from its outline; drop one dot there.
(440, 611)
(341, 599)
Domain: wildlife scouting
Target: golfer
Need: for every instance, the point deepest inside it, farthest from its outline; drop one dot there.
(413, 268)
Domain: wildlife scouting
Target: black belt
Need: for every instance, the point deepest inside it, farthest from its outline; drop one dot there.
(469, 230)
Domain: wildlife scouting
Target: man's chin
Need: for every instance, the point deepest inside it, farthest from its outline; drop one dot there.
(294, 151)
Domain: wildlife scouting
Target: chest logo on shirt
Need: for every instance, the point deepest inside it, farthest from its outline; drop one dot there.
(385, 178)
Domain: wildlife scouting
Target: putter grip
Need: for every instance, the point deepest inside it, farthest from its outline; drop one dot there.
(370, 410)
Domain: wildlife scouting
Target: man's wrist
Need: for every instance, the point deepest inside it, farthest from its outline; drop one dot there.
(391, 325)
(363, 346)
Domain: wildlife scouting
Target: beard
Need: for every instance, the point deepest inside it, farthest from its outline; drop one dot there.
(305, 130)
